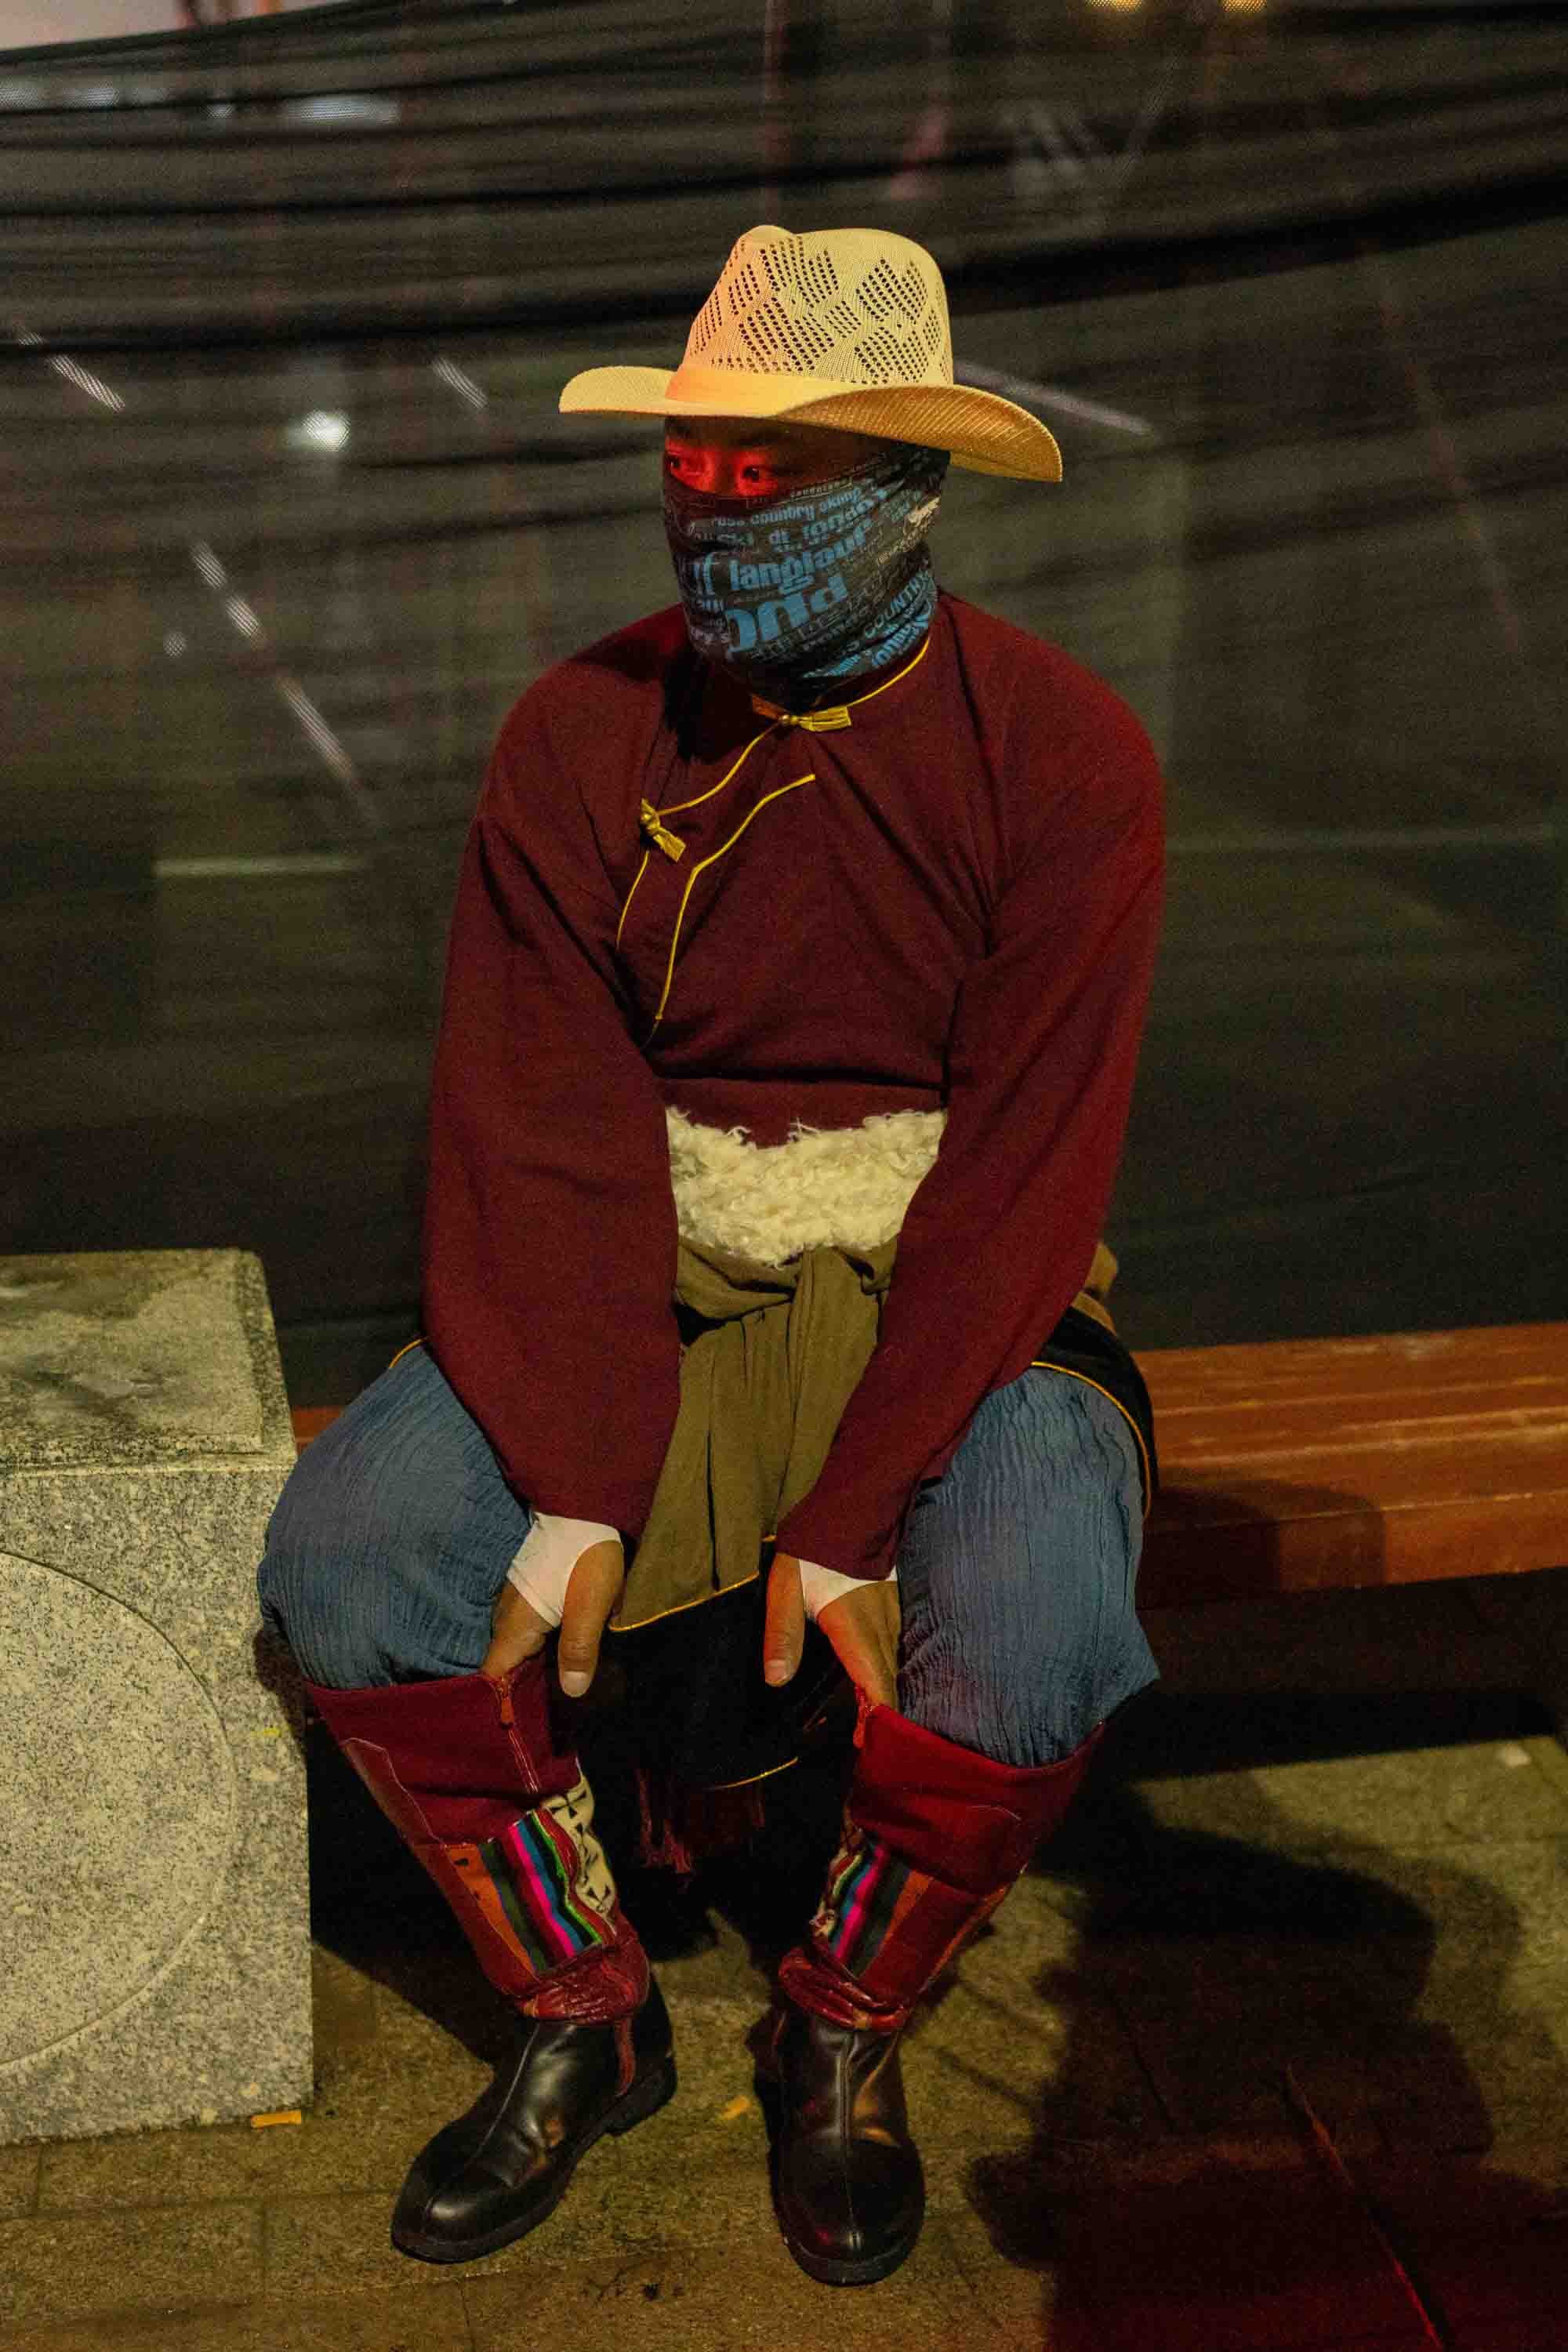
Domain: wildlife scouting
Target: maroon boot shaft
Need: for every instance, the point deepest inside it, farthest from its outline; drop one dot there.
(934, 1836)
(467, 1770)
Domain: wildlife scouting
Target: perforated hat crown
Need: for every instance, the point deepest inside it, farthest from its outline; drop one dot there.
(842, 307)
(845, 327)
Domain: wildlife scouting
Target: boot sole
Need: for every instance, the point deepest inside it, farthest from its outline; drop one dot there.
(634, 2106)
(828, 2272)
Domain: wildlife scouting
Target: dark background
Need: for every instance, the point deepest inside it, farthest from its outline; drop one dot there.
(291, 519)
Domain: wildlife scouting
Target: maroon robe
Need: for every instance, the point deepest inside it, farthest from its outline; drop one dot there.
(952, 903)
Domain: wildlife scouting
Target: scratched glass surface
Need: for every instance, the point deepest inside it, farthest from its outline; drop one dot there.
(291, 519)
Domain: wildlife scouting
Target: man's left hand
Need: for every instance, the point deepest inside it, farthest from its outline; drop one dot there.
(863, 1627)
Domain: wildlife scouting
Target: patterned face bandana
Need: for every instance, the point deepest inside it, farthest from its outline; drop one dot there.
(794, 593)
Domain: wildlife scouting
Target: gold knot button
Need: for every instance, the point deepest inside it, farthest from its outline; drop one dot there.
(816, 722)
(659, 833)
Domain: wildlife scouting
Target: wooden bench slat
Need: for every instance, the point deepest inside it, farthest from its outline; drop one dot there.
(1296, 1465)
(1301, 1465)
(1527, 1361)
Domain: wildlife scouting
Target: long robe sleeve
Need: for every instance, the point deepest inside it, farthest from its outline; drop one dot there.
(1041, 1059)
(550, 1234)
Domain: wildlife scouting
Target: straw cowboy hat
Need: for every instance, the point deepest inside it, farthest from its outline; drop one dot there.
(843, 327)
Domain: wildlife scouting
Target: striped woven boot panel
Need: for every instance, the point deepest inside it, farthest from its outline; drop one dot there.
(934, 1836)
(466, 1772)
(882, 1933)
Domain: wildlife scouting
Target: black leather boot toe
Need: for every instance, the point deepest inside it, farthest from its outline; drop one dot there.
(497, 2171)
(847, 2184)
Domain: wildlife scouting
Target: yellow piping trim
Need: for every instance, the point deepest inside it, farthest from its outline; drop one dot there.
(675, 810)
(718, 1788)
(631, 894)
(683, 1606)
(836, 714)
(889, 683)
(701, 867)
(407, 1350)
(675, 807)
(783, 719)
(1067, 1374)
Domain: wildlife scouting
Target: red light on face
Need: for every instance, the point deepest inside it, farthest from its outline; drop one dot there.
(755, 470)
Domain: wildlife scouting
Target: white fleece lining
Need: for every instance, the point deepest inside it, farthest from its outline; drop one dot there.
(826, 1188)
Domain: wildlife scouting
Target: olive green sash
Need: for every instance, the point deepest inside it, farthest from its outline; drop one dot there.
(764, 1385)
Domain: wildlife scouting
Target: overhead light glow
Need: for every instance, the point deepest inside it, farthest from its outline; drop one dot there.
(323, 430)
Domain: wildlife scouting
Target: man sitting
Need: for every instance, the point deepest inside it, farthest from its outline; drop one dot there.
(796, 976)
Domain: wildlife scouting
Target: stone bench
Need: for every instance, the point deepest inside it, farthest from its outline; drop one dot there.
(154, 1955)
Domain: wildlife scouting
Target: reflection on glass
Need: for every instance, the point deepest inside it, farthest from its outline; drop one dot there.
(322, 430)
(1294, 308)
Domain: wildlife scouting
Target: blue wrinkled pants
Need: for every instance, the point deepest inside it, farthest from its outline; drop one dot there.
(396, 1528)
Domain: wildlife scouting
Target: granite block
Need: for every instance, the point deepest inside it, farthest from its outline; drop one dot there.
(153, 1933)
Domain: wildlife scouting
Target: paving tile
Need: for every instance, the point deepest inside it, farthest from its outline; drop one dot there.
(986, 2068)
(1491, 1794)
(1010, 2275)
(322, 2155)
(1231, 2264)
(1460, 2090)
(635, 2191)
(1488, 2245)
(749, 2294)
(1486, 1792)
(1228, 2073)
(714, 2066)
(343, 2008)
(1512, 2333)
(1212, 1978)
(639, 2196)
(1227, 1804)
(340, 2248)
(1549, 1755)
(1498, 1913)
(375, 2323)
(18, 2180)
(60, 2267)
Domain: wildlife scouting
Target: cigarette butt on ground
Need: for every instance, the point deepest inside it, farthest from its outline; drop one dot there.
(277, 2115)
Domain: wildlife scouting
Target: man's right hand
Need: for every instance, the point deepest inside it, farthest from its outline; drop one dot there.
(519, 1632)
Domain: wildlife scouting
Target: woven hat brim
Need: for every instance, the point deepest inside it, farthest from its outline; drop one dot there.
(980, 430)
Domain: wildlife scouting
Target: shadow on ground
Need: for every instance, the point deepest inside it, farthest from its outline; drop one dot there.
(1326, 2179)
